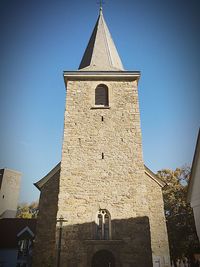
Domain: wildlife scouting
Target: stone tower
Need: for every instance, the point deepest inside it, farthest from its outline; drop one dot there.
(9, 192)
(112, 203)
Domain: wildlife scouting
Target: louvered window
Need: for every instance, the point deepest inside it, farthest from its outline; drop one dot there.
(101, 95)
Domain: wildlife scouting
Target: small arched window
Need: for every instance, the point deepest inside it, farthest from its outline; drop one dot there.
(101, 95)
(103, 225)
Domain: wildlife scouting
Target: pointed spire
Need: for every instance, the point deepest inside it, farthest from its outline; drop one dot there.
(101, 53)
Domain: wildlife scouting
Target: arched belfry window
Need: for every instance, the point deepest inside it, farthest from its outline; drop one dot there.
(103, 230)
(101, 95)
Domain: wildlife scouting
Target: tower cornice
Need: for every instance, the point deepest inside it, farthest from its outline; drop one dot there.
(98, 75)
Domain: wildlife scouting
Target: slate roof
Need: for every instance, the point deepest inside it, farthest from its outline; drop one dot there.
(11, 227)
(46, 178)
(101, 53)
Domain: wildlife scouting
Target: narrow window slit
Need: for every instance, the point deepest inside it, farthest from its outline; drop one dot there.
(102, 155)
(102, 118)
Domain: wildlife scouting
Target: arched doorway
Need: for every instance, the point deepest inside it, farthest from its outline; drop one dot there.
(103, 258)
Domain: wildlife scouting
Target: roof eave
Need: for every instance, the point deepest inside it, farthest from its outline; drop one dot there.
(46, 178)
(154, 177)
(110, 75)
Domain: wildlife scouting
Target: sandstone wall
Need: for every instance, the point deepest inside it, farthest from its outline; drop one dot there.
(44, 251)
(159, 238)
(102, 168)
(89, 182)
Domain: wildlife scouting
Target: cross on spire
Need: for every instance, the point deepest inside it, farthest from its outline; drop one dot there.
(101, 3)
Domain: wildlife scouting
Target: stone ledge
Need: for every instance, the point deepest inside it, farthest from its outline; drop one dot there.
(100, 107)
(103, 242)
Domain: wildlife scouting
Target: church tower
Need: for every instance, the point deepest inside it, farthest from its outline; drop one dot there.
(110, 202)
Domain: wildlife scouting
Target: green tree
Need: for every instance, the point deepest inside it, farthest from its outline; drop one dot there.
(182, 235)
(27, 211)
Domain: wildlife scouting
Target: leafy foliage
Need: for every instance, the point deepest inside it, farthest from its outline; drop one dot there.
(182, 235)
(27, 211)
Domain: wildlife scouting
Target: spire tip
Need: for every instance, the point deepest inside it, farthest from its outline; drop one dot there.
(100, 10)
(100, 7)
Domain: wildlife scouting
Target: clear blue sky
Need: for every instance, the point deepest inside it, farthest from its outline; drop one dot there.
(41, 39)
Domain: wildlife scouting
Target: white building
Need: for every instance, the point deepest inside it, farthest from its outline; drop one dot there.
(194, 186)
(9, 192)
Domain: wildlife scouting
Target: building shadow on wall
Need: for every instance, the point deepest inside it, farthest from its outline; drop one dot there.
(126, 243)
(129, 244)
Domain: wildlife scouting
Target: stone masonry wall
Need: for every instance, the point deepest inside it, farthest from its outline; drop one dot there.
(44, 251)
(159, 238)
(86, 178)
(88, 182)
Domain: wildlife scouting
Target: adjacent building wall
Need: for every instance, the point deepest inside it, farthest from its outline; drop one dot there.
(9, 192)
(44, 251)
(194, 186)
(159, 237)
